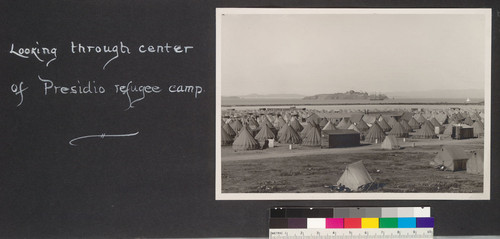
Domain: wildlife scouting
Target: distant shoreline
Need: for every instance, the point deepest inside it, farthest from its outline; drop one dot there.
(367, 103)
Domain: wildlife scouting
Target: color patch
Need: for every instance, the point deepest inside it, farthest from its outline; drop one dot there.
(388, 222)
(372, 212)
(316, 223)
(309, 212)
(425, 222)
(278, 212)
(369, 222)
(356, 212)
(278, 223)
(352, 222)
(341, 212)
(407, 222)
(405, 212)
(422, 212)
(297, 222)
(335, 223)
(389, 212)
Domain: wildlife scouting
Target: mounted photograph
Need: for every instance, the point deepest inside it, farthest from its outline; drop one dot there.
(353, 104)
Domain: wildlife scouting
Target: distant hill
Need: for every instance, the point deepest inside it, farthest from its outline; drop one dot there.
(349, 95)
(272, 96)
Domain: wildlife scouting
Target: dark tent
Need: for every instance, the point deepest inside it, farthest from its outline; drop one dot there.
(245, 141)
(289, 136)
(225, 138)
(375, 134)
(312, 138)
(264, 133)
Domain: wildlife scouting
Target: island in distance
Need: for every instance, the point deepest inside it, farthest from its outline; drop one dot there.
(349, 95)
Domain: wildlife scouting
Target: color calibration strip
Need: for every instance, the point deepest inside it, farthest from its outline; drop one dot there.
(407, 222)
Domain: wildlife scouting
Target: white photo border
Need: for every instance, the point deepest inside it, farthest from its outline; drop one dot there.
(485, 195)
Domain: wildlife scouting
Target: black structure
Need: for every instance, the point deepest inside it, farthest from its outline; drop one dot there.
(339, 138)
(461, 132)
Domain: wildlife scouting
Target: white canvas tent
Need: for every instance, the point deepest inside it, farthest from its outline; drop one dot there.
(390, 142)
(475, 164)
(355, 175)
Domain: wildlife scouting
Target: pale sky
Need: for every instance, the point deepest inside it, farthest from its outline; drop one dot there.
(327, 53)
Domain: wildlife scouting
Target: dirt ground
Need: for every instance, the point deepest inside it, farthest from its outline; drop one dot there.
(314, 170)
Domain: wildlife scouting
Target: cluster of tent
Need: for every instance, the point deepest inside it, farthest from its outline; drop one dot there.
(454, 158)
(247, 130)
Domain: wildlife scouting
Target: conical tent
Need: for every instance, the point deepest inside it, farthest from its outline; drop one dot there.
(425, 133)
(453, 158)
(236, 125)
(279, 122)
(313, 118)
(475, 117)
(383, 124)
(405, 125)
(428, 123)
(245, 141)
(306, 129)
(267, 122)
(362, 125)
(356, 117)
(225, 138)
(312, 138)
(287, 117)
(468, 121)
(478, 129)
(420, 119)
(248, 128)
(270, 118)
(294, 123)
(375, 134)
(434, 122)
(344, 124)
(398, 131)
(460, 117)
(229, 130)
(355, 176)
(390, 142)
(453, 119)
(413, 124)
(289, 136)
(252, 122)
(355, 128)
(329, 126)
(475, 164)
(264, 133)
(442, 118)
(323, 122)
(391, 121)
(407, 116)
(369, 119)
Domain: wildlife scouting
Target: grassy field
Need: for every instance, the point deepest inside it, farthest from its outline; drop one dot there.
(315, 170)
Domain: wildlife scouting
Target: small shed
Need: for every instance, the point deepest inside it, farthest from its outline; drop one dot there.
(462, 131)
(339, 138)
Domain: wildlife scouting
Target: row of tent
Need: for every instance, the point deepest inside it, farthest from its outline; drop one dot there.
(310, 134)
(443, 117)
